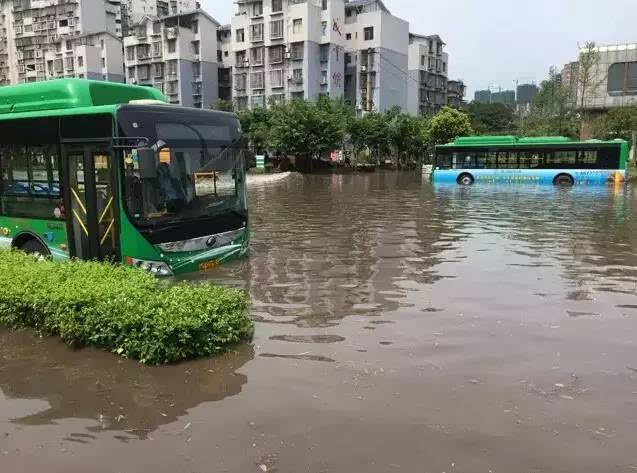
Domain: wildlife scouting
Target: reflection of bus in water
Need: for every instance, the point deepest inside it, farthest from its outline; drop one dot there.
(546, 160)
(98, 170)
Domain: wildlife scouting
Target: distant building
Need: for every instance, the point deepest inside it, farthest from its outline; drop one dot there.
(482, 96)
(526, 93)
(506, 97)
(427, 81)
(615, 77)
(455, 93)
(376, 56)
(177, 55)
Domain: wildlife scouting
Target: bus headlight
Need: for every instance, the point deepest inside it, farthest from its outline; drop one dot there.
(154, 267)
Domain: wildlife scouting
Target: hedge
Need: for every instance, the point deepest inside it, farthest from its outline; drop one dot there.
(120, 308)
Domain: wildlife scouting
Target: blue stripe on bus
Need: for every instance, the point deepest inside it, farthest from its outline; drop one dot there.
(529, 176)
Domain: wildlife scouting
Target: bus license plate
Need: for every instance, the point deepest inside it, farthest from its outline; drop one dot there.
(208, 265)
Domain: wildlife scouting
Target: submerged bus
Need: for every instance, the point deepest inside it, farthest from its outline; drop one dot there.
(549, 160)
(107, 171)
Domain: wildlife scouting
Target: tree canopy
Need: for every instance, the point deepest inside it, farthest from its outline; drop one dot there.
(449, 124)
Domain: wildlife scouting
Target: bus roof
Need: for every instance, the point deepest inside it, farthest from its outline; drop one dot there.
(63, 94)
(510, 140)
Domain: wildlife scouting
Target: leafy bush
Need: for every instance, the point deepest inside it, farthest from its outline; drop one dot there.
(120, 308)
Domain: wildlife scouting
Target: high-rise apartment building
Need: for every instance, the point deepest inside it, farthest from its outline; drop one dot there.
(177, 55)
(286, 49)
(376, 61)
(45, 39)
(526, 94)
(133, 11)
(428, 69)
(506, 97)
(482, 96)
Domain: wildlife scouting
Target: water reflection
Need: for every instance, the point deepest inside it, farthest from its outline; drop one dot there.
(116, 394)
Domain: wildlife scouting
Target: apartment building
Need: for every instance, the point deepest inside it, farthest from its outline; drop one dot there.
(614, 79)
(455, 93)
(45, 39)
(376, 60)
(428, 69)
(225, 60)
(286, 49)
(133, 11)
(176, 54)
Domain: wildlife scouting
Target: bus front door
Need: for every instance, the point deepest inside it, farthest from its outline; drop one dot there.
(91, 201)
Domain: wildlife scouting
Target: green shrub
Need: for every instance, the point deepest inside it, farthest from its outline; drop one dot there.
(120, 308)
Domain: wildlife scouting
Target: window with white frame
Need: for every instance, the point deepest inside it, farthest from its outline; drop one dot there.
(171, 68)
(276, 78)
(276, 29)
(257, 9)
(258, 101)
(297, 76)
(297, 26)
(323, 77)
(324, 28)
(157, 49)
(296, 51)
(143, 72)
(240, 81)
(256, 56)
(256, 32)
(240, 35)
(158, 69)
(257, 80)
(130, 53)
(275, 54)
(277, 6)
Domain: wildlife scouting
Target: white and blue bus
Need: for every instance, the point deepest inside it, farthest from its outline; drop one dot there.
(547, 160)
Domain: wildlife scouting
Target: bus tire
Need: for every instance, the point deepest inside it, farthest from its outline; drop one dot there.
(34, 247)
(565, 180)
(465, 179)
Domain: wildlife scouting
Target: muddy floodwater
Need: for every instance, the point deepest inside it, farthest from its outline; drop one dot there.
(400, 327)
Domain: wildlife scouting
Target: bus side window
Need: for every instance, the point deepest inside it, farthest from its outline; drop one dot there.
(588, 158)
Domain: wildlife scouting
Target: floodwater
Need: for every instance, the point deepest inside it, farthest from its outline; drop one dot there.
(399, 327)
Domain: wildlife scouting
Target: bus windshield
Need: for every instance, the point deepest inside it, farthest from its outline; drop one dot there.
(199, 170)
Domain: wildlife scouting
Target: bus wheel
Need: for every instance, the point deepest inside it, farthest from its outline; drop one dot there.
(563, 180)
(34, 247)
(465, 179)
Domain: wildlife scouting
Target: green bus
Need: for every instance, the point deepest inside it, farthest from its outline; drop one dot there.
(108, 171)
(542, 160)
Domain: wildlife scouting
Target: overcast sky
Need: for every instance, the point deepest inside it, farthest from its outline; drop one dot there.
(494, 42)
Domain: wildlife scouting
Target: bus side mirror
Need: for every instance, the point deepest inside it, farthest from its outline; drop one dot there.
(147, 163)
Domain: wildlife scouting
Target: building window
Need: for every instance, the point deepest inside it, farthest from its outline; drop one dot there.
(275, 54)
(444, 67)
(64, 23)
(219, 56)
(195, 27)
(324, 52)
(240, 35)
(276, 78)
(158, 70)
(131, 73)
(103, 62)
(143, 72)
(256, 32)
(348, 36)
(156, 27)
(240, 81)
(297, 96)
(69, 45)
(130, 53)
(257, 80)
(297, 76)
(195, 47)
(369, 33)
(277, 99)
(277, 6)
(258, 101)
(241, 58)
(622, 78)
(196, 70)
(423, 60)
(324, 28)
(276, 29)
(297, 26)
(171, 68)
(68, 63)
(256, 58)
(172, 45)
(80, 61)
(296, 51)
(102, 45)
(142, 51)
(257, 9)
(157, 49)
(323, 77)
(348, 58)
(324, 4)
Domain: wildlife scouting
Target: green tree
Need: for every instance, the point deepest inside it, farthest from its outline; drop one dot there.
(223, 106)
(447, 125)
(491, 118)
(256, 125)
(306, 129)
(551, 112)
(371, 132)
(408, 137)
(619, 122)
(588, 78)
